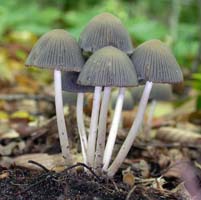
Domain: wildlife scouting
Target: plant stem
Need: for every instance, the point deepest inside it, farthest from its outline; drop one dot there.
(113, 130)
(63, 136)
(81, 127)
(132, 133)
(100, 145)
(93, 126)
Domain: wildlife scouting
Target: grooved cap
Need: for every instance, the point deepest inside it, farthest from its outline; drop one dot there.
(56, 49)
(105, 30)
(154, 62)
(69, 83)
(108, 67)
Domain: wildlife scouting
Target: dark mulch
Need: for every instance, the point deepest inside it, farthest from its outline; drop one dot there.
(24, 184)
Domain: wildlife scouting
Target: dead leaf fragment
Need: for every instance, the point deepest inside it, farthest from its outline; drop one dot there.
(128, 177)
(169, 134)
(55, 161)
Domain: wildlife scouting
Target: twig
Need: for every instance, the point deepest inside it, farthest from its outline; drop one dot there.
(130, 192)
(39, 165)
(87, 167)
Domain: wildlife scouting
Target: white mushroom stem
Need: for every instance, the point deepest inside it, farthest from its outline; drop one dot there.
(63, 136)
(93, 126)
(113, 130)
(100, 145)
(150, 116)
(81, 127)
(132, 133)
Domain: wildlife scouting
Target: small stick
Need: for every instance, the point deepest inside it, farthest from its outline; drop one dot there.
(87, 167)
(38, 165)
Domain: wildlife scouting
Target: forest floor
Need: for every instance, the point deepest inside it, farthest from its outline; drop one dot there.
(162, 164)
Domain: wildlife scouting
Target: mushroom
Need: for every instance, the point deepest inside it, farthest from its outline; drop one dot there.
(107, 67)
(57, 50)
(154, 62)
(105, 30)
(69, 84)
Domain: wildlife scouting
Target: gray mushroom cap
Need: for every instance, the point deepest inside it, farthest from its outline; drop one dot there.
(154, 62)
(128, 103)
(108, 67)
(69, 83)
(159, 92)
(105, 30)
(56, 49)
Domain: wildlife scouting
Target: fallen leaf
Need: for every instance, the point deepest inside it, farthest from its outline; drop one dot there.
(128, 177)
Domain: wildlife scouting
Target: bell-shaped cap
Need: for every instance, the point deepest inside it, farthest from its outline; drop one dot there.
(69, 83)
(108, 67)
(56, 49)
(154, 62)
(105, 30)
(128, 103)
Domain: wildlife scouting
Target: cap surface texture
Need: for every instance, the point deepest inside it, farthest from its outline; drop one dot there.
(105, 30)
(108, 67)
(154, 62)
(56, 49)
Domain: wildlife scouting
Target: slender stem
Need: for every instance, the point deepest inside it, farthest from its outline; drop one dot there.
(93, 126)
(150, 117)
(63, 136)
(132, 133)
(100, 146)
(81, 127)
(113, 130)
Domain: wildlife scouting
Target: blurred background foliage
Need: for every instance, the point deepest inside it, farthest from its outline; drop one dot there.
(176, 22)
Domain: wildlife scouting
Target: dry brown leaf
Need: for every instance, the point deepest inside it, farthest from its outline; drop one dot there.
(128, 177)
(169, 134)
(55, 162)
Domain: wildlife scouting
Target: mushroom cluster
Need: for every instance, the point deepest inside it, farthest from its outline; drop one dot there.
(104, 58)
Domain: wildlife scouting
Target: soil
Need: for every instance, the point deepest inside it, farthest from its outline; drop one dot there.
(21, 183)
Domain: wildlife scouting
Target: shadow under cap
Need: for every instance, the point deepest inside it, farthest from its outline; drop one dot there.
(108, 67)
(105, 30)
(69, 83)
(56, 49)
(155, 62)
